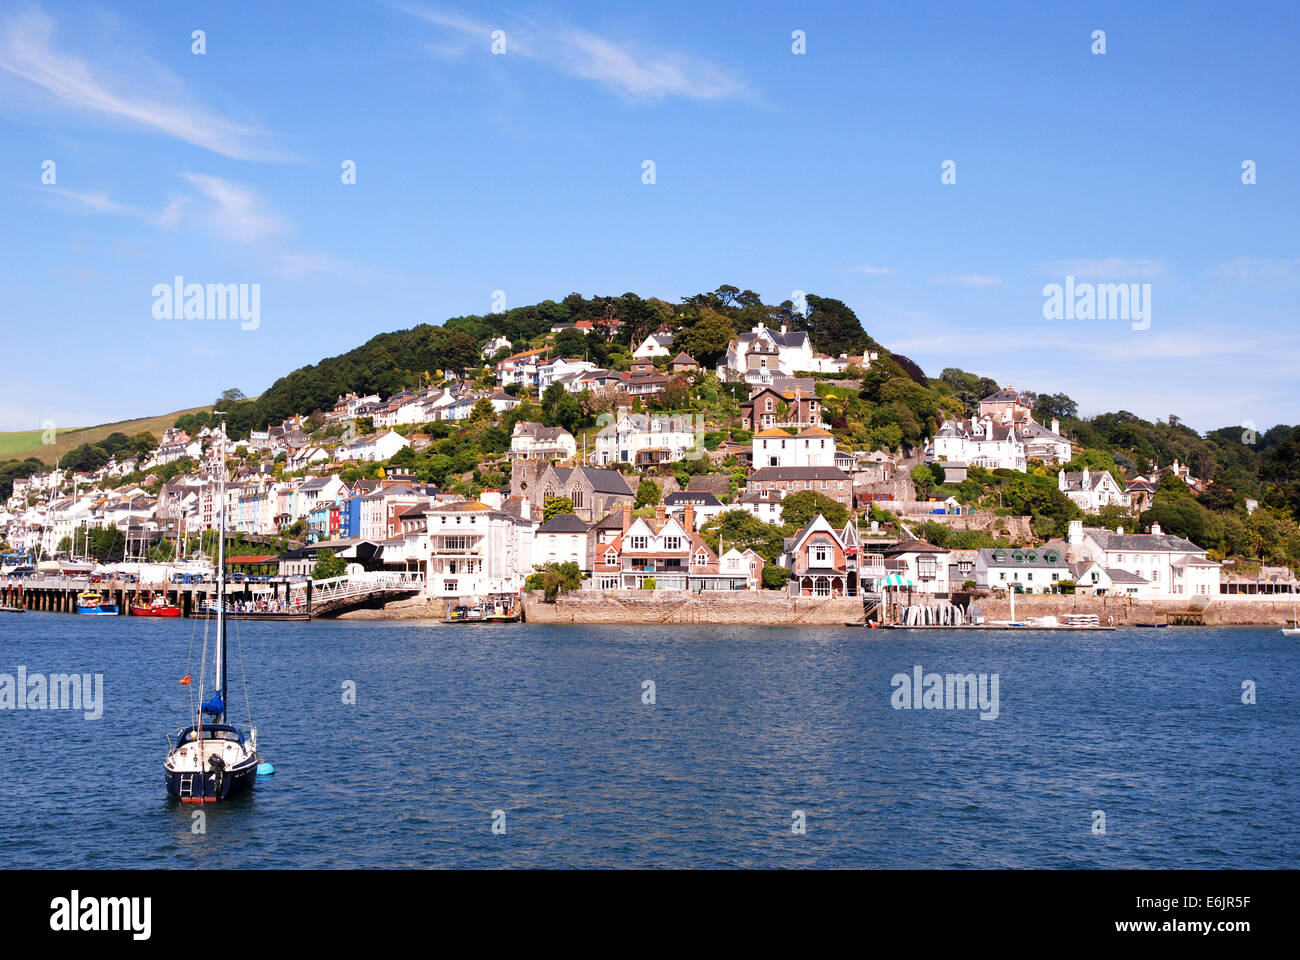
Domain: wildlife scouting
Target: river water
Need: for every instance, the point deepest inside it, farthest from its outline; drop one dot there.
(546, 725)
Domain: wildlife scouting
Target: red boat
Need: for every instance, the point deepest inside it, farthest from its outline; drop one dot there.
(157, 607)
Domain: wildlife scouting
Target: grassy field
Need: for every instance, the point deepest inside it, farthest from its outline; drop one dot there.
(21, 444)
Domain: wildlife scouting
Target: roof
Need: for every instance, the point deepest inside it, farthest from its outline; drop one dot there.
(773, 432)
(564, 523)
(1013, 557)
(1141, 542)
(701, 498)
(684, 357)
(913, 546)
(798, 473)
(605, 481)
(1122, 576)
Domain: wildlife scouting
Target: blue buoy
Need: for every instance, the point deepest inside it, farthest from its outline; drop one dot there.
(264, 768)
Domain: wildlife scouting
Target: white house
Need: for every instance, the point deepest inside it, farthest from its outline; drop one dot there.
(475, 551)
(705, 506)
(548, 372)
(810, 447)
(763, 504)
(563, 539)
(980, 444)
(492, 346)
(749, 565)
(374, 447)
(1092, 491)
(655, 345)
(521, 368)
(764, 352)
(925, 565)
(644, 440)
(1171, 565)
(1027, 570)
(532, 441)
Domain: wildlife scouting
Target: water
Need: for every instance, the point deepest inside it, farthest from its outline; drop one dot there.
(751, 724)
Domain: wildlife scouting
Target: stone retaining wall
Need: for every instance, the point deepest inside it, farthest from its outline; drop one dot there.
(677, 606)
(1220, 611)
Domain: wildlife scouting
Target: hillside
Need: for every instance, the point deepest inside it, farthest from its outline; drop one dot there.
(21, 444)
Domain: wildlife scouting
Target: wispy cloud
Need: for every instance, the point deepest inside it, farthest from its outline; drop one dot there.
(28, 52)
(633, 70)
(973, 280)
(1258, 268)
(91, 201)
(867, 270)
(236, 210)
(1110, 268)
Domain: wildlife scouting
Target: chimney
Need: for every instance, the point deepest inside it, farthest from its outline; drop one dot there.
(1119, 529)
(627, 516)
(783, 329)
(690, 517)
(1076, 533)
(1155, 529)
(526, 509)
(1056, 426)
(1060, 480)
(661, 511)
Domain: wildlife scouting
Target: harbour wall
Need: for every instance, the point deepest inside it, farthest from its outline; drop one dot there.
(743, 607)
(1220, 611)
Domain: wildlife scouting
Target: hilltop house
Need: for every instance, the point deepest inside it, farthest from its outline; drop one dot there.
(980, 443)
(656, 345)
(763, 352)
(829, 481)
(593, 492)
(1092, 491)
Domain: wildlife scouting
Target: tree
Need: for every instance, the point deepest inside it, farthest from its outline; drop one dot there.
(229, 398)
(774, 577)
(555, 506)
(647, 493)
(800, 508)
(483, 411)
(923, 477)
(554, 579)
(328, 565)
(707, 338)
(833, 327)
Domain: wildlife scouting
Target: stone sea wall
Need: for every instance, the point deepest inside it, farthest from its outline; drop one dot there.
(1220, 611)
(677, 606)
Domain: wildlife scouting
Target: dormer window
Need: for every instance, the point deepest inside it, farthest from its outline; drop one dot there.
(611, 557)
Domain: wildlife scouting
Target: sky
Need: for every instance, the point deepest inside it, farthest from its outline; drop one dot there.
(128, 159)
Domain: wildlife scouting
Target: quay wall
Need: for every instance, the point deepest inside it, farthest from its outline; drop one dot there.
(744, 608)
(1221, 611)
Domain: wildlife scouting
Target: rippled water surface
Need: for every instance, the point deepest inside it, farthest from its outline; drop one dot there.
(750, 724)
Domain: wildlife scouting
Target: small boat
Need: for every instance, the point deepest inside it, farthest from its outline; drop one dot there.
(91, 604)
(153, 607)
(9, 609)
(212, 760)
(496, 611)
(1294, 629)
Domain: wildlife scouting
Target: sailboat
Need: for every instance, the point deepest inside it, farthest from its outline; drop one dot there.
(212, 760)
(1294, 629)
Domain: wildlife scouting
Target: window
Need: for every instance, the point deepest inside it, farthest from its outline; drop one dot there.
(639, 543)
(821, 554)
(611, 557)
(702, 558)
(672, 543)
(1002, 576)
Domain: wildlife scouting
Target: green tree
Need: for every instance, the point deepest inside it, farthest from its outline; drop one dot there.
(556, 506)
(647, 493)
(554, 579)
(798, 509)
(774, 577)
(328, 564)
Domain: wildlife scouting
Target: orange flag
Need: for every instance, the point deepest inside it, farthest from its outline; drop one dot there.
(185, 680)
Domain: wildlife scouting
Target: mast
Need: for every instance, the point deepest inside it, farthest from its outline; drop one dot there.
(221, 569)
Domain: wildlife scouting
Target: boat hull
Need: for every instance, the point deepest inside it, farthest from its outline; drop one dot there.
(101, 611)
(208, 787)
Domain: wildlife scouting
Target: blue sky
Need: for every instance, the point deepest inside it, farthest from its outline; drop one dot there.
(522, 172)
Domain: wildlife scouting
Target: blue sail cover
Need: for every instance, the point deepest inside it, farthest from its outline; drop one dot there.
(216, 706)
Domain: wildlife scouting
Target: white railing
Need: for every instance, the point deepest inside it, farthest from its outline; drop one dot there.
(361, 584)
